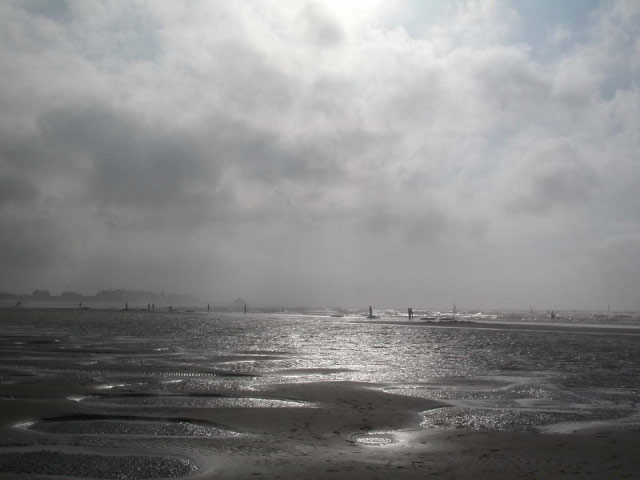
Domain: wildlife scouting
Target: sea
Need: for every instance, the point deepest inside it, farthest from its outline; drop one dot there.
(79, 387)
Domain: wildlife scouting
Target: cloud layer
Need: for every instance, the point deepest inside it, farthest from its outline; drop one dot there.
(322, 152)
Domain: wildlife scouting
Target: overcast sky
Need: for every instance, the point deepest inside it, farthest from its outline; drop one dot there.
(324, 153)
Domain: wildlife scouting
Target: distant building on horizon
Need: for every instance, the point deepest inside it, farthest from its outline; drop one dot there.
(141, 297)
(71, 296)
(118, 296)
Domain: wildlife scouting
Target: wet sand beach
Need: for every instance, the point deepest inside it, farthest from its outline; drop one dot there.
(352, 431)
(124, 396)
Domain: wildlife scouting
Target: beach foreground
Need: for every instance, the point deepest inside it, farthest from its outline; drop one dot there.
(78, 400)
(353, 431)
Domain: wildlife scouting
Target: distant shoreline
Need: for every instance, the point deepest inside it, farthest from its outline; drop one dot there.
(541, 327)
(620, 329)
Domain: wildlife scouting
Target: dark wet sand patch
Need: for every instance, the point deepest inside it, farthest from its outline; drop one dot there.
(120, 467)
(294, 372)
(199, 400)
(129, 425)
(136, 370)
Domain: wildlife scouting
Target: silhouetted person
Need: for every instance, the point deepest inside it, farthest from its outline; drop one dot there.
(153, 306)
(553, 315)
(370, 312)
(410, 313)
(245, 308)
(80, 305)
(208, 306)
(126, 305)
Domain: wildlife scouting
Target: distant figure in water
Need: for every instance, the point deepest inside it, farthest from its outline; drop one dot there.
(80, 305)
(208, 306)
(126, 305)
(245, 308)
(553, 315)
(370, 312)
(153, 306)
(410, 313)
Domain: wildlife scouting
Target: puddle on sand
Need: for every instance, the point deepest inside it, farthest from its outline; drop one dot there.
(136, 426)
(121, 467)
(497, 419)
(629, 423)
(373, 438)
(493, 391)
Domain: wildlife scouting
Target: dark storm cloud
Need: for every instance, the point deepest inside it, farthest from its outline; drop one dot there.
(16, 191)
(30, 240)
(428, 227)
(555, 176)
(123, 162)
(423, 226)
(261, 154)
(57, 10)
(140, 175)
